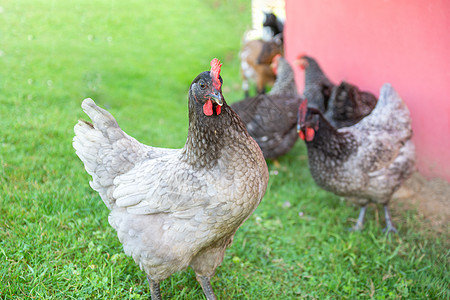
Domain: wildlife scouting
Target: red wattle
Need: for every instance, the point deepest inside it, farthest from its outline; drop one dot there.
(218, 109)
(301, 135)
(309, 134)
(207, 108)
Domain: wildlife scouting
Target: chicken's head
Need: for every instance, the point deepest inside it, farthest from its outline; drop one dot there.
(206, 90)
(275, 63)
(302, 61)
(307, 122)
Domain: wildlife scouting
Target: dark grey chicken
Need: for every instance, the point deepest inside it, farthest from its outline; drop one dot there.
(318, 87)
(366, 162)
(271, 119)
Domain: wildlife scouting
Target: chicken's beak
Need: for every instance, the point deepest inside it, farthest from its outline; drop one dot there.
(217, 97)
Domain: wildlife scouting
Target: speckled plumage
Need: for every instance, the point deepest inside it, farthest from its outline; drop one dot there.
(285, 82)
(174, 208)
(271, 119)
(317, 85)
(368, 161)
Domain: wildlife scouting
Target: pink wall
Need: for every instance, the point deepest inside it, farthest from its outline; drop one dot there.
(370, 42)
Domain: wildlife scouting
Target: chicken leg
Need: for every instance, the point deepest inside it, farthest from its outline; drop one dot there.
(206, 286)
(154, 289)
(360, 222)
(389, 226)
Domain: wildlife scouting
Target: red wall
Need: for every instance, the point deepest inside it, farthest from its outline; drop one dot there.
(370, 42)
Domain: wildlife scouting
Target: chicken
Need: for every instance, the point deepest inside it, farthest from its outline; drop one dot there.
(342, 105)
(274, 25)
(256, 57)
(366, 162)
(318, 87)
(271, 119)
(285, 82)
(174, 208)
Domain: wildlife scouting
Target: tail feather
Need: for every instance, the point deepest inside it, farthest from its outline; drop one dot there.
(105, 149)
(101, 118)
(390, 114)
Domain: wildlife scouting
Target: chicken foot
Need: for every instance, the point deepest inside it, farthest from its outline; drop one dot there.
(360, 222)
(389, 226)
(206, 286)
(154, 289)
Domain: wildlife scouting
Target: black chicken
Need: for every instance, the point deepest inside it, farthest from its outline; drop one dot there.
(273, 23)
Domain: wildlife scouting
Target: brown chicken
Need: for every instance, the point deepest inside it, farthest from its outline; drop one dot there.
(256, 57)
(174, 208)
(342, 105)
(366, 162)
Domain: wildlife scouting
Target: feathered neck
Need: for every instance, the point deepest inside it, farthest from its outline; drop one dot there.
(331, 142)
(208, 135)
(314, 74)
(285, 82)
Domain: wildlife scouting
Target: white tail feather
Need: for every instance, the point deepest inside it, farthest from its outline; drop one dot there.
(105, 149)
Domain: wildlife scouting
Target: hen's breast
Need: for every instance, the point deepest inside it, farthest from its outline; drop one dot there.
(342, 177)
(168, 210)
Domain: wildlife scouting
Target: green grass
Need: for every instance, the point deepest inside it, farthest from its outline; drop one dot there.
(138, 58)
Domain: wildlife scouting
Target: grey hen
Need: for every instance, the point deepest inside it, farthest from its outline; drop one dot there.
(366, 162)
(174, 208)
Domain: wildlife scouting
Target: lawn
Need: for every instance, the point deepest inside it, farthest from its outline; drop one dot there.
(137, 59)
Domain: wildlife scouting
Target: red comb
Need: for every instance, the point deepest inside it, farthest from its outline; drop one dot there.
(301, 55)
(215, 72)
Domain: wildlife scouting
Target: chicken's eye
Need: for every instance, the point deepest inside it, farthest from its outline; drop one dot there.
(202, 85)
